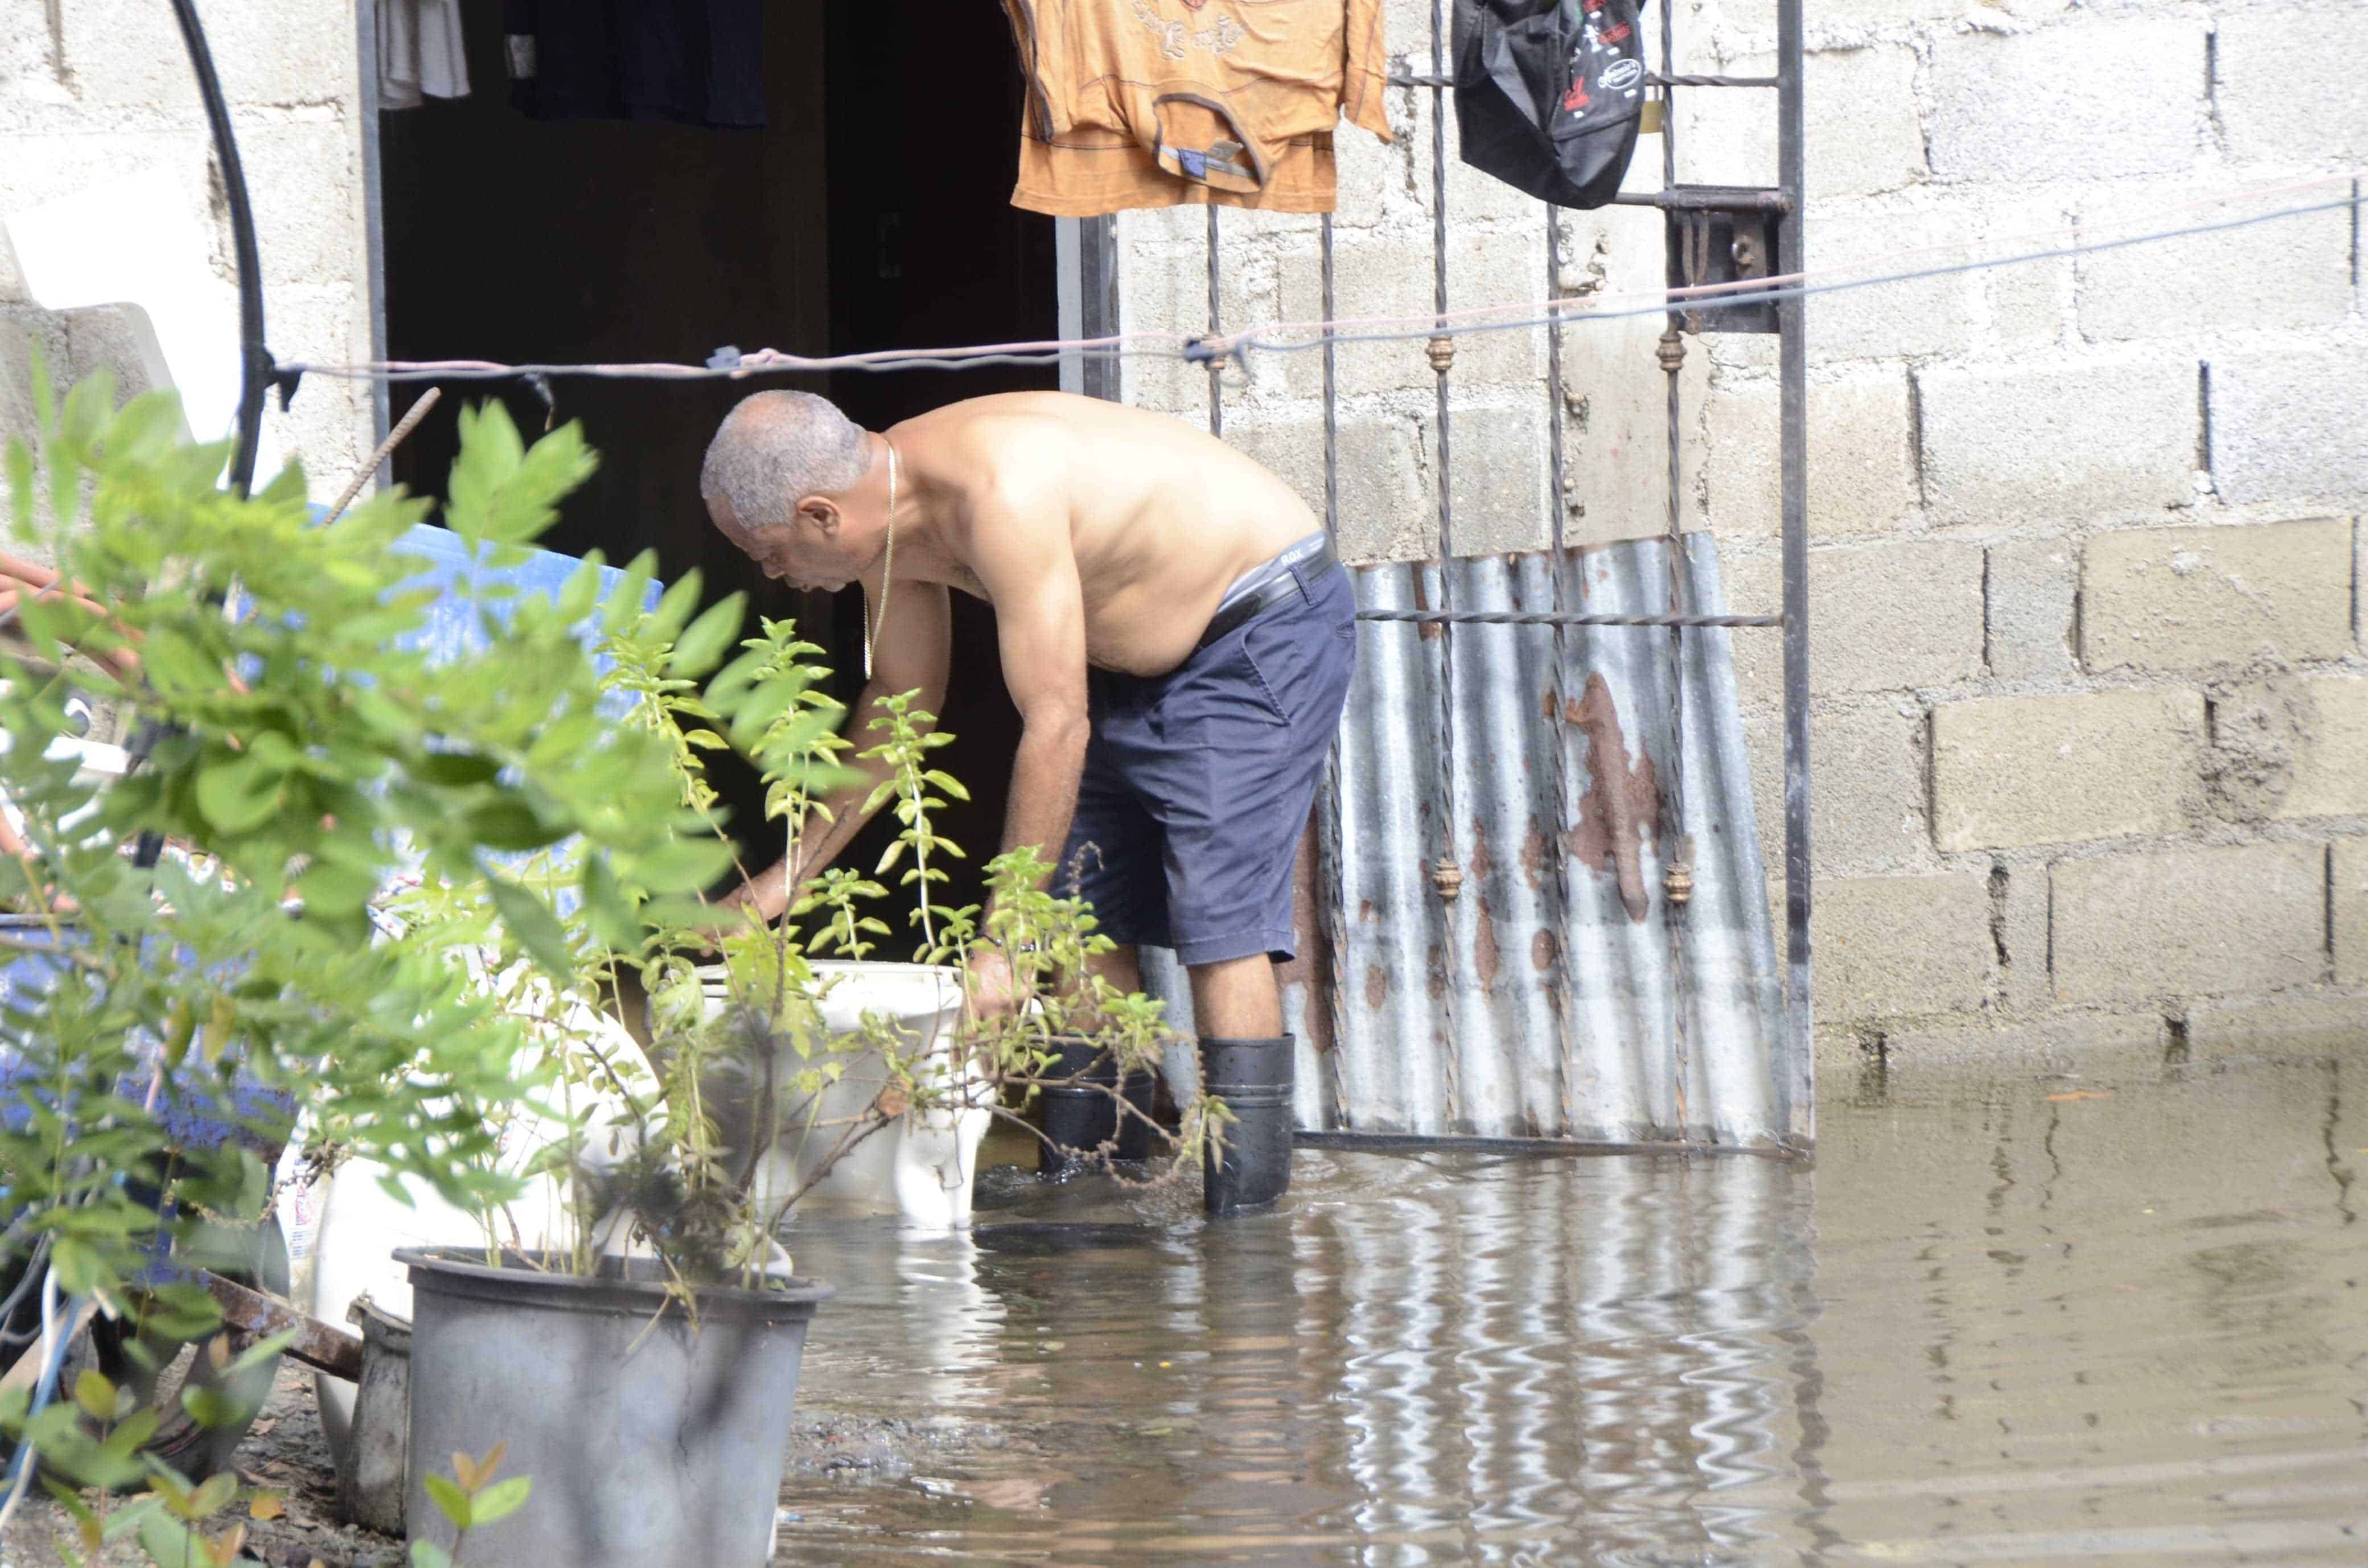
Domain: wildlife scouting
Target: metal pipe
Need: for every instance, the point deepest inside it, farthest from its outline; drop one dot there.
(255, 360)
(1797, 1083)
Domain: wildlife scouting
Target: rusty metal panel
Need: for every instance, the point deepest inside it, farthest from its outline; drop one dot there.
(1537, 1001)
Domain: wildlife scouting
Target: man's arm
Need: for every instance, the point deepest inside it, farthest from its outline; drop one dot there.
(910, 650)
(1030, 571)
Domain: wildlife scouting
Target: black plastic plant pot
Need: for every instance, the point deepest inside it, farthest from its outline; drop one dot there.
(648, 1439)
(1254, 1077)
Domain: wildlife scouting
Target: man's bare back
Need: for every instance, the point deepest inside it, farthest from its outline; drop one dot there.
(1106, 539)
(1160, 517)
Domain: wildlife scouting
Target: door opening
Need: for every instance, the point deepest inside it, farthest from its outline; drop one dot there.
(855, 219)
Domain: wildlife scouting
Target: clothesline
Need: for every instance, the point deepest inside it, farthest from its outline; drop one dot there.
(730, 364)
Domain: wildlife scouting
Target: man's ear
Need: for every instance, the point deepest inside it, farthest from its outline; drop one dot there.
(823, 512)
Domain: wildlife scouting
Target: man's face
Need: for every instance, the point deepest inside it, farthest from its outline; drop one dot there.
(810, 552)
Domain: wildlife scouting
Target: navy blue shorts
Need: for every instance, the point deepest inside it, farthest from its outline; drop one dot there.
(1198, 782)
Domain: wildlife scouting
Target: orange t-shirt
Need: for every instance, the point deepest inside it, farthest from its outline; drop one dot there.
(1157, 103)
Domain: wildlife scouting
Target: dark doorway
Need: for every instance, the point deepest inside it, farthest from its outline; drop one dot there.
(873, 211)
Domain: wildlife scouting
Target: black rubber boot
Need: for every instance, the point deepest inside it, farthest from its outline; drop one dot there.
(1080, 1117)
(1136, 1130)
(1254, 1078)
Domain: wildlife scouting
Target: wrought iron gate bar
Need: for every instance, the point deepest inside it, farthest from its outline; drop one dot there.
(1558, 617)
(1708, 198)
(1690, 211)
(1427, 80)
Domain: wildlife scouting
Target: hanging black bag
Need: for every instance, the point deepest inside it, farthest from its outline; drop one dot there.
(1549, 94)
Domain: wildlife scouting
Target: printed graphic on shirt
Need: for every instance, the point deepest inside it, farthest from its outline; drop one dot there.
(1222, 38)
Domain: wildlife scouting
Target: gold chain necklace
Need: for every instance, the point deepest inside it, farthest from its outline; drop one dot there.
(871, 625)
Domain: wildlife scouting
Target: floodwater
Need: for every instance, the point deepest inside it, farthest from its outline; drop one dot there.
(2108, 1315)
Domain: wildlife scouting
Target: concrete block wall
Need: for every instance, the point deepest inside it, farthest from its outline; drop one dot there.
(94, 91)
(2089, 698)
(2088, 681)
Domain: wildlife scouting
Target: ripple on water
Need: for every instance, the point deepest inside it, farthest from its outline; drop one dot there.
(1987, 1326)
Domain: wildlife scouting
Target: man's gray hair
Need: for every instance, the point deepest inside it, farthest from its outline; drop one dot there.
(778, 448)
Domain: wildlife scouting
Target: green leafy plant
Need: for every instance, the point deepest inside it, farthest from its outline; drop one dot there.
(738, 1054)
(307, 753)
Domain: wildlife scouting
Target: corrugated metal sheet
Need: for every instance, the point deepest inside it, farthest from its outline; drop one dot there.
(1540, 1002)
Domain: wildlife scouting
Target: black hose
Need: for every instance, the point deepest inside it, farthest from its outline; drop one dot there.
(255, 360)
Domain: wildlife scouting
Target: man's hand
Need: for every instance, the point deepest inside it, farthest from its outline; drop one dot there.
(994, 991)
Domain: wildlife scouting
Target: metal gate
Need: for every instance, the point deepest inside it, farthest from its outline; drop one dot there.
(1535, 905)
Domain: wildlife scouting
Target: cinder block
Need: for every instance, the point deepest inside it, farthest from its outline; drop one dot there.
(1888, 617)
(2180, 598)
(1616, 431)
(1861, 476)
(1499, 475)
(28, 332)
(2330, 774)
(2029, 303)
(1386, 511)
(1163, 290)
(2243, 918)
(2294, 272)
(1891, 947)
(1862, 101)
(305, 177)
(2009, 771)
(2029, 601)
(2289, 85)
(1390, 273)
(2094, 100)
(1867, 808)
(2289, 425)
(2021, 444)
(2348, 901)
(1930, 316)
(291, 56)
(2019, 913)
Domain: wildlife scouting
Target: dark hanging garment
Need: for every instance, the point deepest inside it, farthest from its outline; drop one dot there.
(691, 62)
(1549, 93)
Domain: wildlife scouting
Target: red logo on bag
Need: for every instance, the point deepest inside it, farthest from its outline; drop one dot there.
(1577, 98)
(1612, 34)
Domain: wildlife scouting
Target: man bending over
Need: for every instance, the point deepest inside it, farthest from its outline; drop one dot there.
(1174, 630)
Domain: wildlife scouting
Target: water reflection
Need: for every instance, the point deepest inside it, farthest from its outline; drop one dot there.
(2047, 1319)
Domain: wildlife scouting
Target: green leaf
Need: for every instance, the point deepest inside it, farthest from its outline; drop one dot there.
(498, 1501)
(457, 767)
(427, 1554)
(94, 1394)
(213, 1494)
(673, 608)
(213, 1409)
(240, 793)
(682, 865)
(167, 1542)
(625, 600)
(509, 825)
(332, 889)
(606, 908)
(533, 923)
(706, 639)
(450, 1500)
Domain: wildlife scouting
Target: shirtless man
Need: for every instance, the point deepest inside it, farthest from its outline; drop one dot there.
(1173, 628)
